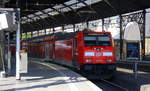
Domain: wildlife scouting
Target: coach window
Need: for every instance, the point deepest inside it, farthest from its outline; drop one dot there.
(97, 40)
(104, 40)
(90, 40)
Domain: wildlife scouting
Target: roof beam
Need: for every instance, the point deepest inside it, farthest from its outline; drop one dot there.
(33, 20)
(68, 6)
(60, 13)
(71, 9)
(97, 13)
(108, 3)
(41, 18)
(29, 25)
(53, 18)
(87, 5)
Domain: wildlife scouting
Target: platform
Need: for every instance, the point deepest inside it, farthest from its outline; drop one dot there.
(125, 75)
(47, 77)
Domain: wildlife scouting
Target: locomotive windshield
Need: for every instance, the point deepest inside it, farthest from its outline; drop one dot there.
(97, 39)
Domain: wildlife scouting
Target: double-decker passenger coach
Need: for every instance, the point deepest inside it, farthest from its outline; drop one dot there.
(88, 51)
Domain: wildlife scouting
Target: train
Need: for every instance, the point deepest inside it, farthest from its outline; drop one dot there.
(87, 51)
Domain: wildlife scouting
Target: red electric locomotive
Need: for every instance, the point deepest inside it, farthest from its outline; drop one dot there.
(89, 51)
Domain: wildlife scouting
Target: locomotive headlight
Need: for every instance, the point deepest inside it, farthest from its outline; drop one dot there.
(89, 54)
(88, 60)
(109, 60)
(107, 53)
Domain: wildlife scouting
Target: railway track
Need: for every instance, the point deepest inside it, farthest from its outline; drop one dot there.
(120, 88)
(109, 86)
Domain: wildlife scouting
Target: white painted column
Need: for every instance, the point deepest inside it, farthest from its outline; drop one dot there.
(18, 47)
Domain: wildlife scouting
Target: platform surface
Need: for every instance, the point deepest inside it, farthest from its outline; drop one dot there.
(125, 75)
(47, 77)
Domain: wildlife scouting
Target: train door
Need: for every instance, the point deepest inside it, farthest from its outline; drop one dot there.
(53, 53)
(47, 51)
(51, 50)
(75, 54)
(74, 49)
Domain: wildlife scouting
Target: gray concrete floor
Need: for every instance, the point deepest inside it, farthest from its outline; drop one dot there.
(47, 77)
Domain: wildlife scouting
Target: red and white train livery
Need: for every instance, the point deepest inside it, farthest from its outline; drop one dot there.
(89, 51)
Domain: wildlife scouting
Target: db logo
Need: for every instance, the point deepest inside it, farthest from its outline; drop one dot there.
(98, 54)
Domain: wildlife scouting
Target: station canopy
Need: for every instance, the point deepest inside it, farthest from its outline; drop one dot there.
(43, 14)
